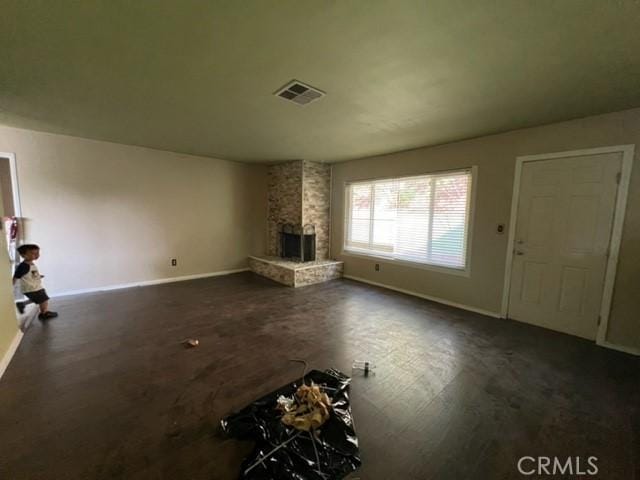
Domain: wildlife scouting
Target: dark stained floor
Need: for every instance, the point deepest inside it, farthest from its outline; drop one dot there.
(107, 390)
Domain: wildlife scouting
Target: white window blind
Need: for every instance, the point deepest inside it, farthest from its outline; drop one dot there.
(423, 219)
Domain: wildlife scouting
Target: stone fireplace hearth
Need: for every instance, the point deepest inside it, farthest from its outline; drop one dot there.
(296, 274)
(298, 225)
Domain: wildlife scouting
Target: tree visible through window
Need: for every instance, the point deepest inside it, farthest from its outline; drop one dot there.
(421, 219)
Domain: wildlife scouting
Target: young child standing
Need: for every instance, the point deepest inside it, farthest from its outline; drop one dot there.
(30, 280)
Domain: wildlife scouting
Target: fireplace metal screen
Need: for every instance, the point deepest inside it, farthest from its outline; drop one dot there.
(298, 243)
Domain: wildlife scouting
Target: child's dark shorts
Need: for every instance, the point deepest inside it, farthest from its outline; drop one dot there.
(39, 296)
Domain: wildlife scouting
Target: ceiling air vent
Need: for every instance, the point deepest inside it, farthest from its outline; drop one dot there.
(298, 92)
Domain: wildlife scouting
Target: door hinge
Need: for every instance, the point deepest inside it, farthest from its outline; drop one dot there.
(618, 177)
(599, 319)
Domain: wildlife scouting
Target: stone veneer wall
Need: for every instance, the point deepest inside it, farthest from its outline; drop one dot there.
(285, 200)
(299, 193)
(316, 198)
(319, 274)
(274, 272)
(295, 274)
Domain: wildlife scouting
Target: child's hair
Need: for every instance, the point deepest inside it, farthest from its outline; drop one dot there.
(27, 247)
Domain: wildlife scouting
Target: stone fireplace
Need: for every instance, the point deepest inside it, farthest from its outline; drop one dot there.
(298, 225)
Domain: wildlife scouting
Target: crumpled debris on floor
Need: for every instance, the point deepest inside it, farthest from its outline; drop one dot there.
(283, 452)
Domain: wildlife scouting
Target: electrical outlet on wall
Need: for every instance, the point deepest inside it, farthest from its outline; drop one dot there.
(174, 262)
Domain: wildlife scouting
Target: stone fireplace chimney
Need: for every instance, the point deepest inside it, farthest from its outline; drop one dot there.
(299, 199)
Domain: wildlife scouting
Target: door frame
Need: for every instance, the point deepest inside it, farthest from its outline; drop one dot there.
(616, 230)
(15, 190)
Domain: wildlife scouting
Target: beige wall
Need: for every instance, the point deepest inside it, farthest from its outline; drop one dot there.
(107, 214)
(495, 157)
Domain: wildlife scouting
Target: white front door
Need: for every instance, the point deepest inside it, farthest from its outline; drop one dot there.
(563, 230)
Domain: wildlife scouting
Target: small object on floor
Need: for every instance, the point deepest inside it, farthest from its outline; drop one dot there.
(20, 306)
(283, 452)
(365, 367)
(190, 342)
(48, 315)
(29, 314)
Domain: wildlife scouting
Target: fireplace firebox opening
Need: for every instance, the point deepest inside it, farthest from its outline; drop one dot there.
(298, 243)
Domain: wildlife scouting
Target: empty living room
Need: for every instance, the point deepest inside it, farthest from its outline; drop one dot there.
(319, 239)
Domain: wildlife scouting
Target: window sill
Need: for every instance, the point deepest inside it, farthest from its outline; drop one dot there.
(422, 266)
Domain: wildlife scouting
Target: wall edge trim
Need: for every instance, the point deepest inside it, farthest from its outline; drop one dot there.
(8, 355)
(146, 283)
(620, 348)
(426, 297)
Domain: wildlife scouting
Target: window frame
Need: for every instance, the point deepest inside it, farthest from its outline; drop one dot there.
(380, 257)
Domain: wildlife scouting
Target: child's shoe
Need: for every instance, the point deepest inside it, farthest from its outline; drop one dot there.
(47, 315)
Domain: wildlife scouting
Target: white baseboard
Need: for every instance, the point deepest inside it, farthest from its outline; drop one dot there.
(620, 348)
(147, 283)
(426, 297)
(4, 363)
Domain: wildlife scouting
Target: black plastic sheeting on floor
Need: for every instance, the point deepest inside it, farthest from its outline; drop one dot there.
(336, 451)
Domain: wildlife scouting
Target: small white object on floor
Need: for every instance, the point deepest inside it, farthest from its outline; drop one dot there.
(190, 342)
(30, 313)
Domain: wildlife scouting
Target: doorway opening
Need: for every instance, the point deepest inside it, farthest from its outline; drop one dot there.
(10, 209)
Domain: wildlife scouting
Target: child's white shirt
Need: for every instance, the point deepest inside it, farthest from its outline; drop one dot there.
(29, 276)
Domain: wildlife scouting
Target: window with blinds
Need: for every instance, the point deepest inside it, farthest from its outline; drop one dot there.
(423, 219)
